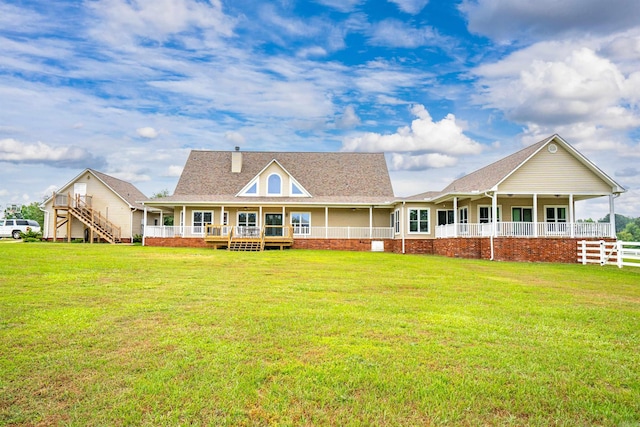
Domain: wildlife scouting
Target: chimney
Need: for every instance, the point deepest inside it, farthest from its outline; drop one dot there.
(236, 161)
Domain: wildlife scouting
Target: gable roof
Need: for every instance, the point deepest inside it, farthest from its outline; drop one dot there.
(328, 177)
(127, 191)
(123, 189)
(489, 177)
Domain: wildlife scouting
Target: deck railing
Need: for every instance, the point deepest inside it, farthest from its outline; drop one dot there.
(526, 229)
(270, 231)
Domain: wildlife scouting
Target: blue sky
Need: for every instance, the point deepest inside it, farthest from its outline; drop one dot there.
(128, 87)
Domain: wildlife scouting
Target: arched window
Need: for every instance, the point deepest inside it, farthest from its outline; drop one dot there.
(274, 184)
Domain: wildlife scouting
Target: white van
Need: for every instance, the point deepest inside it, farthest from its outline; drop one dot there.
(13, 227)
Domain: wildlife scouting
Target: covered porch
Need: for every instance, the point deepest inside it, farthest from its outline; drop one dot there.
(532, 215)
(274, 225)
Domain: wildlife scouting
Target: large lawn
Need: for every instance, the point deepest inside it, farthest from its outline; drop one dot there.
(122, 335)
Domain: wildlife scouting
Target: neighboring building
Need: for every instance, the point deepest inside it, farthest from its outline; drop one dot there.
(96, 207)
(521, 207)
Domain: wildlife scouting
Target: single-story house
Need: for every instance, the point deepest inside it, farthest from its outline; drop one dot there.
(94, 206)
(521, 207)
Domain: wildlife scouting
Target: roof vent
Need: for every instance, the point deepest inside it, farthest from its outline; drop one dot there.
(236, 161)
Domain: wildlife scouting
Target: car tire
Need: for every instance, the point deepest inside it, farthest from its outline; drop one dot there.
(15, 234)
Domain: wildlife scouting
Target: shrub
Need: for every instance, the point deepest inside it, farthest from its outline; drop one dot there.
(31, 236)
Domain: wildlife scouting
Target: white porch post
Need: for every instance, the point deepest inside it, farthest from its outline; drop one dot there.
(161, 218)
(494, 214)
(455, 217)
(326, 222)
(260, 217)
(144, 224)
(371, 222)
(535, 215)
(612, 217)
(571, 215)
(183, 220)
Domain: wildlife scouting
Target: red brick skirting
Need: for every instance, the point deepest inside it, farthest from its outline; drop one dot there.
(505, 248)
(363, 245)
(175, 242)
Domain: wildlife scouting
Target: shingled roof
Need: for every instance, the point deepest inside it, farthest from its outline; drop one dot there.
(124, 189)
(486, 178)
(328, 177)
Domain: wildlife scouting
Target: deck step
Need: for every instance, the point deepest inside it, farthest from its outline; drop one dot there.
(246, 245)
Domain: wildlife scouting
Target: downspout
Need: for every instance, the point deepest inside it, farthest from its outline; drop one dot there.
(402, 224)
(493, 222)
(144, 225)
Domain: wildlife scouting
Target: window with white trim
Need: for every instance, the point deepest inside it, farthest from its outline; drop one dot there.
(252, 191)
(201, 219)
(485, 214)
(301, 222)
(418, 220)
(247, 219)
(396, 221)
(274, 184)
(445, 216)
(555, 214)
(295, 190)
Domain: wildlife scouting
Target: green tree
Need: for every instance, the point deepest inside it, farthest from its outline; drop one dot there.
(621, 221)
(160, 194)
(631, 232)
(32, 211)
(167, 219)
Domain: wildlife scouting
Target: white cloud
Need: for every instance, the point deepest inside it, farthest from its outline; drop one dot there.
(66, 156)
(4, 192)
(507, 20)
(119, 22)
(341, 5)
(394, 33)
(348, 119)
(131, 176)
(234, 137)
(562, 88)
(424, 135)
(174, 170)
(410, 6)
(399, 161)
(147, 132)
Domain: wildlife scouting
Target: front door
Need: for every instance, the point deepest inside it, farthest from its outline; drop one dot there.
(273, 224)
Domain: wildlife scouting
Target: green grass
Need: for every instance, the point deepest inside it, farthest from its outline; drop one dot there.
(120, 335)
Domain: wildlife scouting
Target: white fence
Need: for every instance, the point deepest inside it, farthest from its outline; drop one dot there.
(526, 229)
(609, 253)
(299, 232)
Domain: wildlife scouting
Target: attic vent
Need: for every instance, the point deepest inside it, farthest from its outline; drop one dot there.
(236, 161)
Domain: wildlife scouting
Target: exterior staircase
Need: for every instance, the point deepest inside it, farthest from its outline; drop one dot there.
(79, 207)
(251, 241)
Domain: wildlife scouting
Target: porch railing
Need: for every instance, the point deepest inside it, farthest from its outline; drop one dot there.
(526, 229)
(298, 232)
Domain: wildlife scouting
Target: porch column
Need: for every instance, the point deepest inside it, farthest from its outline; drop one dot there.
(161, 218)
(144, 225)
(371, 222)
(612, 217)
(535, 215)
(494, 214)
(183, 220)
(260, 217)
(455, 217)
(326, 222)
(221, 222)
(571, 215)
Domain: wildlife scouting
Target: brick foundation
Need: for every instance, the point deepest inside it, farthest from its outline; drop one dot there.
(362, 245)
(562, 250)
(175, 242)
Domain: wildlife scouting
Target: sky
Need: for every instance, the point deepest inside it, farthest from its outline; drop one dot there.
(129, 87)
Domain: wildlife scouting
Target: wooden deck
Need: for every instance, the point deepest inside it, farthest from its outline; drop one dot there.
(248, 238)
